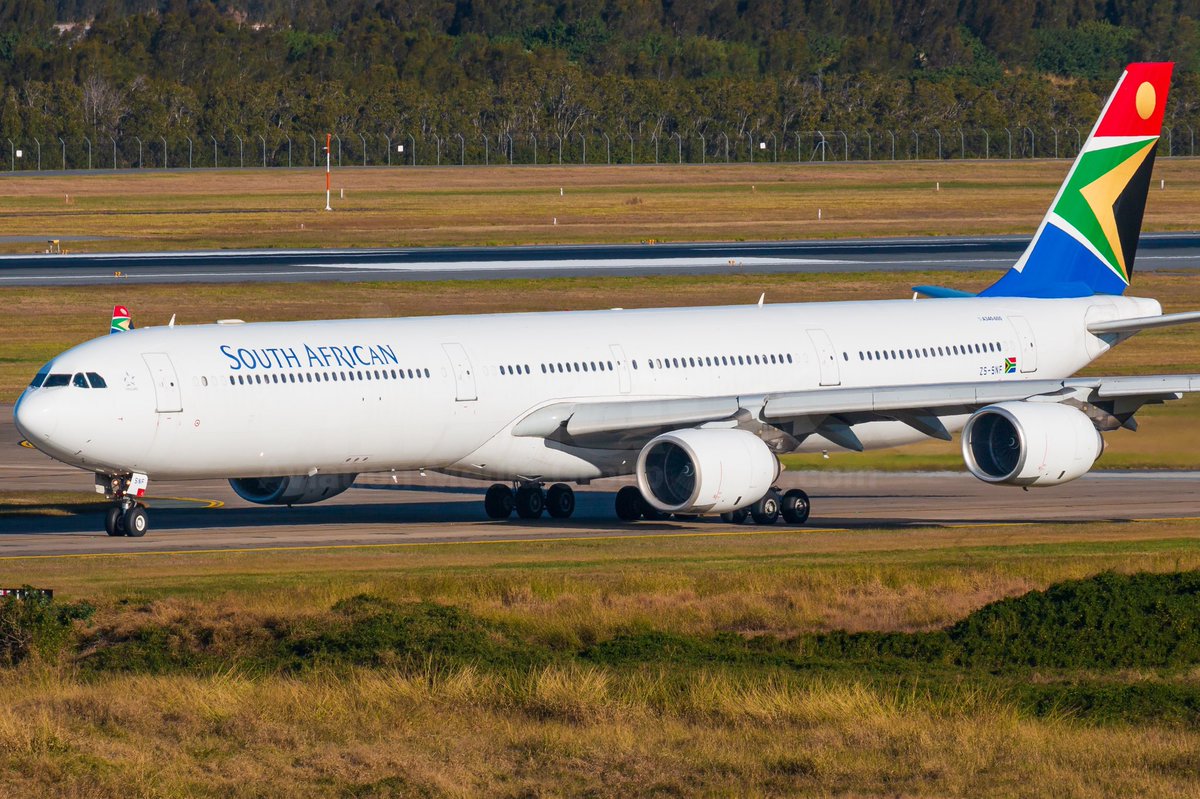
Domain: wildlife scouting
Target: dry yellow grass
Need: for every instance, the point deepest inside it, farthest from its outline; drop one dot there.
(503, 205)
(557, 732)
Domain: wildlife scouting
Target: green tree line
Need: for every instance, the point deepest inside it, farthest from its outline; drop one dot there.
(484, 79)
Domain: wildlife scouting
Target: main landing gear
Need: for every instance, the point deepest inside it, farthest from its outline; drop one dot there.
(792, 505)
(529, 501)
(128, 516)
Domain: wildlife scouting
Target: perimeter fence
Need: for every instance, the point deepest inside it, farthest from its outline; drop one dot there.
(598, 147)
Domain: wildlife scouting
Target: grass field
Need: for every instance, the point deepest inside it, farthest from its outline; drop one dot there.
(645, 667)
(503, 205)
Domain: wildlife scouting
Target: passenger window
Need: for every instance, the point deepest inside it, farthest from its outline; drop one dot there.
(789, 358)
(98, 382)
(635, 364)
(427, 372)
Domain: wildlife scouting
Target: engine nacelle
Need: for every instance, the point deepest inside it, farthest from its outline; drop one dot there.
(705, 470)
(1030, 443)
(291, 490)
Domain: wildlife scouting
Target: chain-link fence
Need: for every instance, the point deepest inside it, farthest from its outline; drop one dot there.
(276, 149)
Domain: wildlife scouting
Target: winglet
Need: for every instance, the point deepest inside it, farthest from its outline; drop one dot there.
(121, 321)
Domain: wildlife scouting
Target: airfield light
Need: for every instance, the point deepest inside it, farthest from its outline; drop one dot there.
(328, 141)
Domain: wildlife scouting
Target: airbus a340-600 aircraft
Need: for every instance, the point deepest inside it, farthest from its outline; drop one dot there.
(696, 402)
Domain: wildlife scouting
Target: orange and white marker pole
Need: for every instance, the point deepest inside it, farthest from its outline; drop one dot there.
(328, 138)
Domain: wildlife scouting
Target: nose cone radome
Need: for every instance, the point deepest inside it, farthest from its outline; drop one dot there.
(36, 417)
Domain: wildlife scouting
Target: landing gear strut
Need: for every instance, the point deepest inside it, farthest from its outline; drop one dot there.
(127, 517)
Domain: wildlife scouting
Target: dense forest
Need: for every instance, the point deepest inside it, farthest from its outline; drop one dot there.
(139, 82)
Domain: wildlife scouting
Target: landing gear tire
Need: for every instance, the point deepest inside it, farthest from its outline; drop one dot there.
(529, 502)
(651, 513)
(738, 516)
(629, 504)
(560, 501)
(795, 507)
(766, 510)
(136, 521)
(498, 501)
(114, 521)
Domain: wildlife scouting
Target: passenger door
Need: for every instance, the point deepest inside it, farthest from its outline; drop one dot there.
(167, 396)
(464, 377)
(826, 358)
(1027, 360)
(618, 355)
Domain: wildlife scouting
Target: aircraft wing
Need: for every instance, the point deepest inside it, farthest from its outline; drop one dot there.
(785, 419)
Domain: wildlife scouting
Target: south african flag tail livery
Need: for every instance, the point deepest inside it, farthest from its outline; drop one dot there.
(1087, 240)
(121, 322)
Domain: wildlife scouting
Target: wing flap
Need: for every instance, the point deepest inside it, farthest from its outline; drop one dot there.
(629, 424)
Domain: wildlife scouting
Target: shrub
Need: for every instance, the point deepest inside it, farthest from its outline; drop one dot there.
(33, 625)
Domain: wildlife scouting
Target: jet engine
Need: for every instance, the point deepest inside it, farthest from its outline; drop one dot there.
(1030, 443)
(705, 470)
(291, 490)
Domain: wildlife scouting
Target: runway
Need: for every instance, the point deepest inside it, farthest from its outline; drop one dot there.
(377, 511)
(1166, 251)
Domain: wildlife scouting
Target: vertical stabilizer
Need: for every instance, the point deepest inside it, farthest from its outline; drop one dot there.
(121, 323)
(1088, 239)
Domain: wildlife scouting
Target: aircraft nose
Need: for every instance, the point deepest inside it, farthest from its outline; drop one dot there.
(35, 417)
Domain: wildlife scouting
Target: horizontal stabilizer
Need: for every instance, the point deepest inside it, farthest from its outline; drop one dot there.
(1144, 323)
(940, 292)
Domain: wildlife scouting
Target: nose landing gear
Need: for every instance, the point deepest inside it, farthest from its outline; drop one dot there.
(127, 517)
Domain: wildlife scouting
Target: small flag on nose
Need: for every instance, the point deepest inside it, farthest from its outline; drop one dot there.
(120, 320)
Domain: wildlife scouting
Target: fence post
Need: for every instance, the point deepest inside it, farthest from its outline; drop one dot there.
(89, 144)
(1009, 132)
(533, 139)
(726, 137)
(987, 145)
(678, 146)
(12, 158)
(64, 152)
(868, 145)
(487, 160)
(314, 141)
(630, 135)
(916, 144)
(939, 135)
(703, 148)
(139, 141)
(1170, 141)
(241, 152)
(583, 140)
(797, 148)
(559, 135)
(189, 141)
(607, 148)
(1032, 144)
(845, 144)
(263, 139)
(893, 135)
(214, 138)
(462, 150)
(289, 138)
(364, 144)
(39, 149)
(412, 143)
(962, 144)
(1055, 141)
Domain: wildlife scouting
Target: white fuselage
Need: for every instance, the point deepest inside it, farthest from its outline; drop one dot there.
(296, 398)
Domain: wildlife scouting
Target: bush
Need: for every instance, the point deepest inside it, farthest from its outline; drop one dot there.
(33, 625)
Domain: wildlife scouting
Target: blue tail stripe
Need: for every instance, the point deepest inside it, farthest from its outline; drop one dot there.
(1058, 266)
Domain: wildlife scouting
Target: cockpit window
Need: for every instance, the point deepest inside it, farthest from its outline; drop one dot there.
(96, 380)
(40, 377)
(55, 381)
(79, 381)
